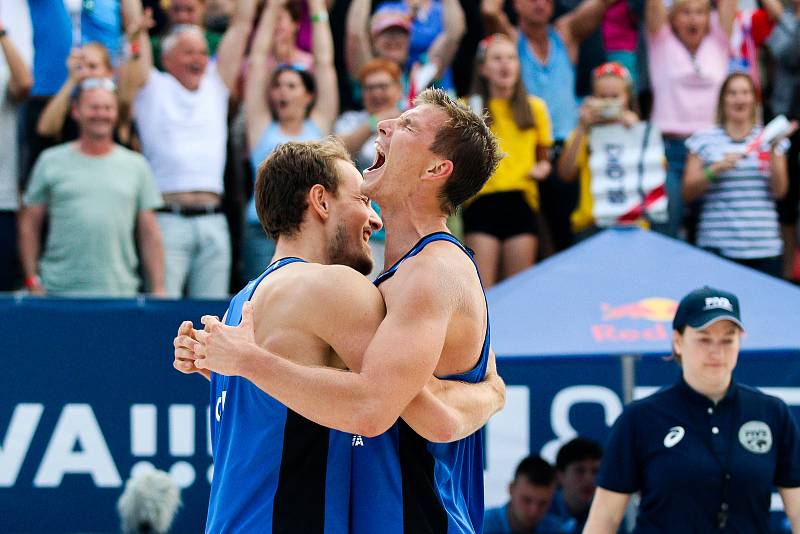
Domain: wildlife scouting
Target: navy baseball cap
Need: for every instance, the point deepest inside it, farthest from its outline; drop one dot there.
(705, 306)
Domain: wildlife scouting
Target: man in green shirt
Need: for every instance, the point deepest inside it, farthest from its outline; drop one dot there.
(96, 196)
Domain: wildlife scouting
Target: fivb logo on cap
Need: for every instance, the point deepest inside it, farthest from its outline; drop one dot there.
(718, 303)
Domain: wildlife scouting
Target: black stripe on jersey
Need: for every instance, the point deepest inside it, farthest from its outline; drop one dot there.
(423, 512)
(299, 504)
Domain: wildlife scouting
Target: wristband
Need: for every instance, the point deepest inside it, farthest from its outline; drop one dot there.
(709, 174)
(373, 123)
(3, 32)
(32, 281)
(320, 16)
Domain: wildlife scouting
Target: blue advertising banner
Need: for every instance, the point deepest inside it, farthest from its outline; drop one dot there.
(88, 395)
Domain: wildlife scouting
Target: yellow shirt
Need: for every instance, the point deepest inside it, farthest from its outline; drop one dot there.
(583, 216)
(519, 147)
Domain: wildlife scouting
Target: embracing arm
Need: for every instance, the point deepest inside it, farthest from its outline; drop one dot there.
(791, 505)
(608, 509)
(231, 49)
(449, 410)
(327, 106)
(397, 364)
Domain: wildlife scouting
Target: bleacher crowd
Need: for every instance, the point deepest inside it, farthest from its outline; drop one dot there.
(130, 130)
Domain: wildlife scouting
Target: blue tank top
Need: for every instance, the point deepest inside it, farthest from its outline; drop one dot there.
(403, 483)
(274, 471)
(270, 139)
(553, 82)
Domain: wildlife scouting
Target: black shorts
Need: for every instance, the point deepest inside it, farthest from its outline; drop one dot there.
(502, 215)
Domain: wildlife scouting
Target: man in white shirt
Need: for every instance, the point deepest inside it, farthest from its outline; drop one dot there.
(16, 51)
(181, 116)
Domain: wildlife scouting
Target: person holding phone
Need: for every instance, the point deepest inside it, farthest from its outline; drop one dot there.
(618, 159)
(706, 452)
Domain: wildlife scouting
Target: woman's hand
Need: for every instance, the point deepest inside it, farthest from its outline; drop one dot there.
(590, 112)
(541, 170)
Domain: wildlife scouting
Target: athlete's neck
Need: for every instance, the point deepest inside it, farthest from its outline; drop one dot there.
(310, 247)
(405, 226)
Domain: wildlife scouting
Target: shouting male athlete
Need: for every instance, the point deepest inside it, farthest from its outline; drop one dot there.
(274, 470)
(430, 160)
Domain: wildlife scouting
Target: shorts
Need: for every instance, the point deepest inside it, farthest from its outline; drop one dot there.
(502, 215)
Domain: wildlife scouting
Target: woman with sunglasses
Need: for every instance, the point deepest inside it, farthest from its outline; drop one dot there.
(706, 452)
(618, 159)
(500, 223)
(288, 103)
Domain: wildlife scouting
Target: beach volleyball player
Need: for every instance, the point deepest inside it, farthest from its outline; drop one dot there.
(333, 307)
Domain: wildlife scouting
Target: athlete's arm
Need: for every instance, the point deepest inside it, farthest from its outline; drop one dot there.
(608, 509)
(397, 364)
(791, 505)
(449, 410)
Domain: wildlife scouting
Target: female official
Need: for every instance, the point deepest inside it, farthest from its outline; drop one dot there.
(706, 452)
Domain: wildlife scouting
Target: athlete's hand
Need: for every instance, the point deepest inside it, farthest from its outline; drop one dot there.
(185, 343)
(223, 348)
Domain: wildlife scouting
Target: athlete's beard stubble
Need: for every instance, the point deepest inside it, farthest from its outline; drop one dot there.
(342, 253)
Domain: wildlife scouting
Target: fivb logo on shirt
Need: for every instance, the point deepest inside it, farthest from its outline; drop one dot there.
(716, 303)
(756, 437)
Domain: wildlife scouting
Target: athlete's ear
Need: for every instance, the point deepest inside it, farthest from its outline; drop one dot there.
(439, 171)
(319, 201)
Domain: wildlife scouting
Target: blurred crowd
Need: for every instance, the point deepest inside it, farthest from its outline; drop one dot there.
(131, 130)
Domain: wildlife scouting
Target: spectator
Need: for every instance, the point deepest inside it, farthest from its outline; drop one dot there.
(621, 36)
(738, 219)
(181, 115)
(389, 36)
(181, 12)
(55, 31)
(381, 86)
(89, 61)
(784, 45)
(531, 493)
(15, 82)
(284, 48)
(299, 106)
(95, 194)
(431, 38)
(577, 464)
(687, 55)
(548, 54)
(500, 224)
(618, 159)
(751, 29)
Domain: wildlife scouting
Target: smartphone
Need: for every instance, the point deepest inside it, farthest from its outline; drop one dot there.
(610, 108)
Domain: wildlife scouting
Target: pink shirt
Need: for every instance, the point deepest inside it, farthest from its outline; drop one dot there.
(620, 31)
(685, 89)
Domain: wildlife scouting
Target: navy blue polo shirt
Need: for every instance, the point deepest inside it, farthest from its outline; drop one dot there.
(702, 467)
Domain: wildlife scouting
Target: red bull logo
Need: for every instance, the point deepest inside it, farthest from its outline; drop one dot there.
(658, 310)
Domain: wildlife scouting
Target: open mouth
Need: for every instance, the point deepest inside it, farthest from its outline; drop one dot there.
(380, 159)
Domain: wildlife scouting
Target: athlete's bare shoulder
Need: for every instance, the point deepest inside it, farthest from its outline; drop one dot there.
(314, 287)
